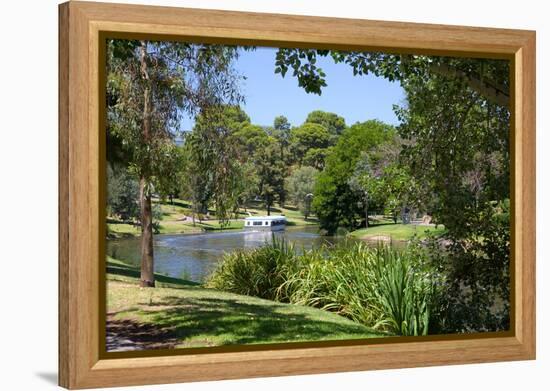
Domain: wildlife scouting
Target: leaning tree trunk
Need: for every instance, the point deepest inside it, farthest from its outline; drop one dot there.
(147, 260)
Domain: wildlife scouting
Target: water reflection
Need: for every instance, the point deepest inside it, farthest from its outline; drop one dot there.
(195, 256)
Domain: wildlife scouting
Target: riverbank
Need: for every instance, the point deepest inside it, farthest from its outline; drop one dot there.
(181, 313)
(176, 220)
(386, 232)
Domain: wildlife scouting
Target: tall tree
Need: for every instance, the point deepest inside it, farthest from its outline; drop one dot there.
(250, 139)
(193, 184)
(149, 86)
(307, 137)
(332, 122)
(281, 123)
(271, 171)
(301, 186)
(218, 143)
(335, 203)
(217, 158)
(281, 133)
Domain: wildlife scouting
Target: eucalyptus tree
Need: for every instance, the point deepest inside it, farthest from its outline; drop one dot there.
(300, 186)
(150, 86)
(216, 160)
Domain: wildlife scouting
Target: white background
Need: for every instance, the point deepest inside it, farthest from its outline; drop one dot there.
(28, 196)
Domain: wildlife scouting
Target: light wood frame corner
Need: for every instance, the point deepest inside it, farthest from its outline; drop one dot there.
(81, 25)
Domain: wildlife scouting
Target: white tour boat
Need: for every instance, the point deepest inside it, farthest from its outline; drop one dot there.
(265, 223)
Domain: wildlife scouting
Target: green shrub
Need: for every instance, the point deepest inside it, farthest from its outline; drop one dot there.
(404, 292)
(258, 272)
(381, 287)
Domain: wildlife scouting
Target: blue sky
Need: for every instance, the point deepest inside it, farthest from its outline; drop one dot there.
(356, 98)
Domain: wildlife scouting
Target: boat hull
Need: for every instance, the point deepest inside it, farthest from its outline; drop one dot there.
(265, 228)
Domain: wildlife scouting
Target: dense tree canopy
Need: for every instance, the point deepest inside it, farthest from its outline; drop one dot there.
(307, 137)
(251, 139)
(332, 122)
(458, 149)
(335, 203)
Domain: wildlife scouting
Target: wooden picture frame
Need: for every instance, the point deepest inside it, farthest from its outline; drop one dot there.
(82, 26)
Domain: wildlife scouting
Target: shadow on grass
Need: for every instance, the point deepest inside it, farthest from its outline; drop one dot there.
(179, 203)
(120, 269)
(290, 207)
(110, 220)
(380, 223)
(206, 321)
(127, 334)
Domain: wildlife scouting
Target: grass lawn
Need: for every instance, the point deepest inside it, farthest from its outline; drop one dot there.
(396, 231)
(174, 214)
(180, 313)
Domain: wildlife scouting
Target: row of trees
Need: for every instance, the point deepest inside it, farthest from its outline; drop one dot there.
(269, 164)
(281, 164)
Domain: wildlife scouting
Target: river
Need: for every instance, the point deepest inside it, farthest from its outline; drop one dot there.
(193, 257)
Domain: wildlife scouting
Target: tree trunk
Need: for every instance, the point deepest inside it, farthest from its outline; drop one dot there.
(147, 260)
(268, 206)
(366, 214)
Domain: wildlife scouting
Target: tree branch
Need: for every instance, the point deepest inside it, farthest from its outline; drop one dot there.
(493, 92)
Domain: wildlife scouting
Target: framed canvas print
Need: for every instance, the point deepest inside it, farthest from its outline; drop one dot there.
(247, 195)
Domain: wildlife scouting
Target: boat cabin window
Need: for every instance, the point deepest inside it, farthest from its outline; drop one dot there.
(267, 223)
(257, 223)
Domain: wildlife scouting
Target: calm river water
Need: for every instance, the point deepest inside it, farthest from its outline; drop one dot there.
(193, 257)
